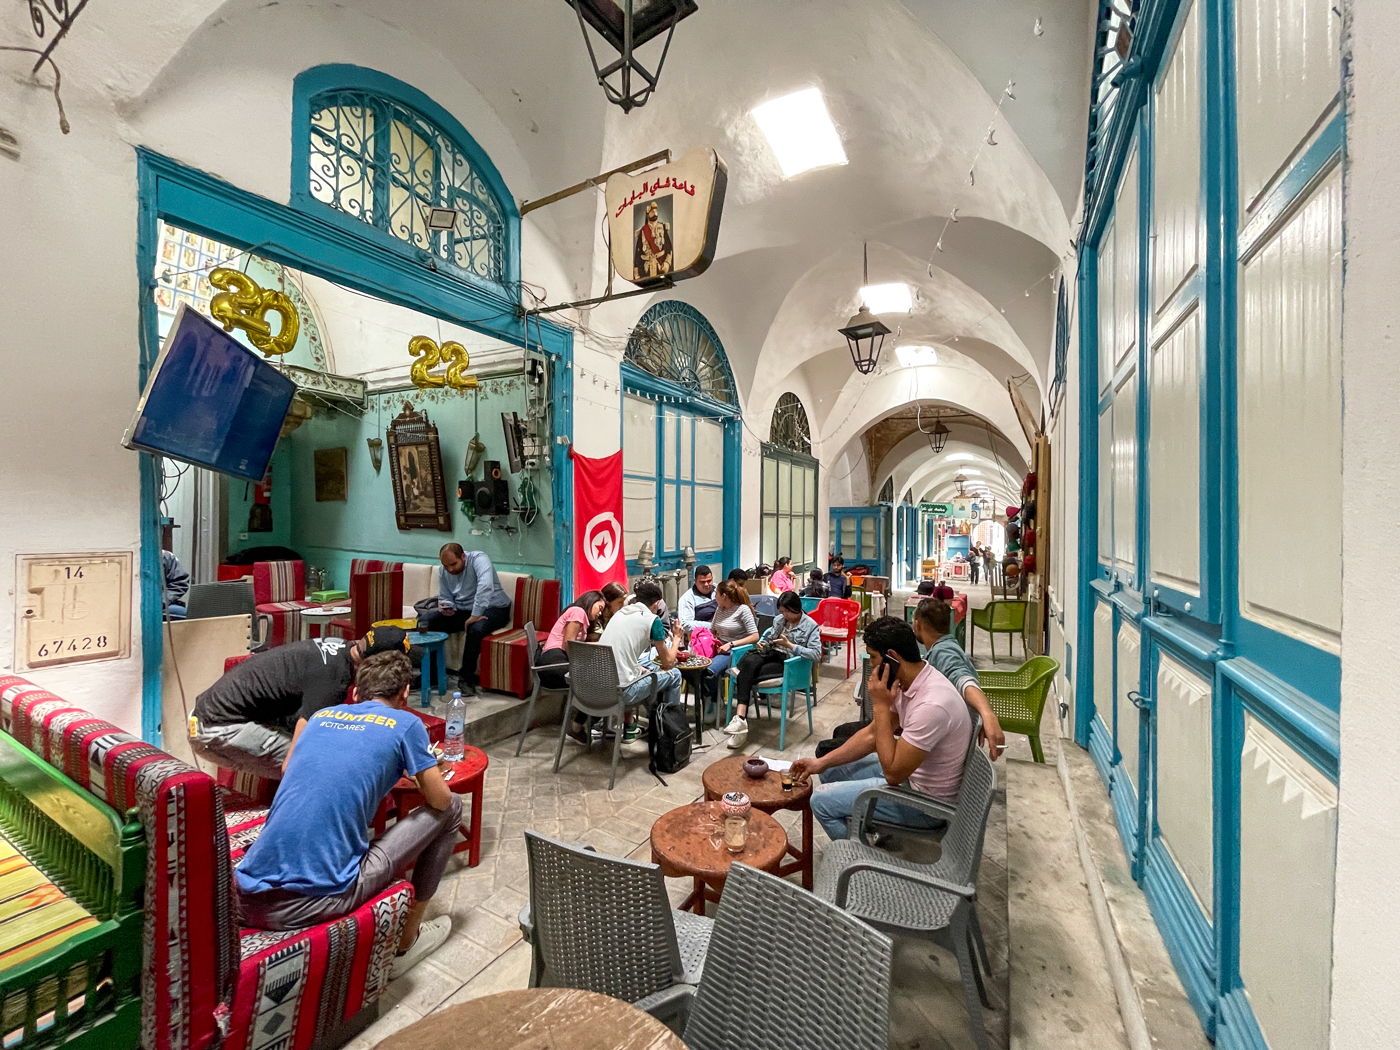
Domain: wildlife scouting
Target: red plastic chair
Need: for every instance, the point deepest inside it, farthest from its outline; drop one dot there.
(837, 618)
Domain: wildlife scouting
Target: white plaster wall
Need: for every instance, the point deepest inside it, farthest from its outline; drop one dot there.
(1288, 827)
(70, 317)
(1365, 993)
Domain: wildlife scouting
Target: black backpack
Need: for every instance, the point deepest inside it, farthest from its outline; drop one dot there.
(669, 737)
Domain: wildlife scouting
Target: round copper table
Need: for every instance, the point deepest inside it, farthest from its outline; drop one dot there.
(687, 843)
(536, 1019)
(767, 794)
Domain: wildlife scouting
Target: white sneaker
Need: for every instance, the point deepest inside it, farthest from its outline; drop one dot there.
(430, 936)
(737, 725)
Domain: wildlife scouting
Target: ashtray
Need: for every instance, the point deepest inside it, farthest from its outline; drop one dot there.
(756, 768)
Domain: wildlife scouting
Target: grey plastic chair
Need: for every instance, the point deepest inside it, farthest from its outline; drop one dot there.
(595, 691)
(863, 820)
(786, 969)
(936, 901)
(536, 686)
(605, 925)
(229, 598)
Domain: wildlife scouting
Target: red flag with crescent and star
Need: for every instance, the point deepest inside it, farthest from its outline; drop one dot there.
(598, 555)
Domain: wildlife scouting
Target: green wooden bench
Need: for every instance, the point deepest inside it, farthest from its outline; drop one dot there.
(79, 985)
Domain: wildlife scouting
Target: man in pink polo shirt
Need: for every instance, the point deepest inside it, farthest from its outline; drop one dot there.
(919, 732)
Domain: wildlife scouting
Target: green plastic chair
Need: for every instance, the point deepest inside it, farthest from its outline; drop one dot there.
(997, 618)
(1018, 697)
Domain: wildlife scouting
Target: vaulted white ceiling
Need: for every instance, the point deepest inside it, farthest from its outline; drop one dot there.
(911, 87)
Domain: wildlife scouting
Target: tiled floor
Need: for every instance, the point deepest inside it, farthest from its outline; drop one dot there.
(484, 953)
(1050, 928)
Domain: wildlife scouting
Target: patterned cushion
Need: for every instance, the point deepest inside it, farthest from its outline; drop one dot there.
(537, 601)
(374, 596)
(286, 620)
(234, 572)
(278, 581)
(505, 665)
(359, 565)
(187, 980)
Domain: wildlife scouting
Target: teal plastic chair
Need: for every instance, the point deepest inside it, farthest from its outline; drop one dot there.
(799, 676)
(809, 605)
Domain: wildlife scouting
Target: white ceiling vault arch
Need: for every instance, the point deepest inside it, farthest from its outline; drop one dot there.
(911, 87)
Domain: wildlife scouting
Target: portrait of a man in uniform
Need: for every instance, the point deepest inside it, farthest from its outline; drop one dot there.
(653, 254)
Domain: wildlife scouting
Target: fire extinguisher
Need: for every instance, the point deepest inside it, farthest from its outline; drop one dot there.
(260, 513)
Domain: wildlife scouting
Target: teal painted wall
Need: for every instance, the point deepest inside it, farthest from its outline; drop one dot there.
(240, 498)
(330, 534)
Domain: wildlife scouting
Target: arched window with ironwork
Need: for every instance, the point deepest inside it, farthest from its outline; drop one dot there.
(381, 159)
(680, 442)
(790, 472)
(789, 429)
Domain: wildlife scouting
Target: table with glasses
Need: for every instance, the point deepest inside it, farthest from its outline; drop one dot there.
(693, 671)
(537, 1019)
(766, 794)
(688, 843)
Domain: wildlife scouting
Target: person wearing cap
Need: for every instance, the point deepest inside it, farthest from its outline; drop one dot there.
(314, 860)
(246, 719)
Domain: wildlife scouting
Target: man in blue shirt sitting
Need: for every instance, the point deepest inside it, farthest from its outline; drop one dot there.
(314, 860)
(470, 600)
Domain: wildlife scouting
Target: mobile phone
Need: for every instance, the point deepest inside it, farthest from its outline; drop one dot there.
(888, 670)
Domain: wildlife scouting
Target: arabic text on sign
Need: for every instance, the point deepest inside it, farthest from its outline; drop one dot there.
(649, 190)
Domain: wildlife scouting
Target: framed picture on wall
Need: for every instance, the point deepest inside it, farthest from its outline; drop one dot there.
(330, 475)
(415, 465)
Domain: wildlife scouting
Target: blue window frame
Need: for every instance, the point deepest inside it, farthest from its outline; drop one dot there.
(680, 440)
(376, 156)
(861, 536)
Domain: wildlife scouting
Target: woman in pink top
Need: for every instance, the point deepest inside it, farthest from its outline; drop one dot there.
(782, 578)
(573, 625)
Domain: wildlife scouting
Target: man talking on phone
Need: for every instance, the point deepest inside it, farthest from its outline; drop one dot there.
(918, 734)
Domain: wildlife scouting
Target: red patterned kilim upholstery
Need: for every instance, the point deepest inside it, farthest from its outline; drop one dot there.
(279, 589)
(359, 565)
(505, 665)
(270, 990)
(374, 596)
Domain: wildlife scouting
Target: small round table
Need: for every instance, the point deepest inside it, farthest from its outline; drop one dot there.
(431, 642)
(463, 777)
(535, 1018)
(767, 794)
(693, 672)
(683, 843)
(321, 617)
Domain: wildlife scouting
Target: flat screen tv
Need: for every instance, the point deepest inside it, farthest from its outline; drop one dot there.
(210, 401)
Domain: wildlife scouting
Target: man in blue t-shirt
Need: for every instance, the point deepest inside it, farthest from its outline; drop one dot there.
(314, 861)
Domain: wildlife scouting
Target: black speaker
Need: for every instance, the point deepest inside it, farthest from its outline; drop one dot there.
(485, 496)
(493, 491)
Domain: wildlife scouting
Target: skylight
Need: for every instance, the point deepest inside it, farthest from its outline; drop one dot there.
(799, 130)
(972, 473)
(959, 457)
(887, 298)
(914, 356)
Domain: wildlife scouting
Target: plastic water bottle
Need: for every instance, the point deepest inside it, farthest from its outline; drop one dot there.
(452, 747)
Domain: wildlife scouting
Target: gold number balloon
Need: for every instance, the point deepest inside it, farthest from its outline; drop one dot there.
(429, 355)
(244, 304)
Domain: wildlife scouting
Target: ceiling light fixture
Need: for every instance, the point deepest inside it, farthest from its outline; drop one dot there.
(865, 333)
(960, 481)
(800, 132)
(625, 31)
(938, 436)
(961, 457)
(892, 298)
(916, 356)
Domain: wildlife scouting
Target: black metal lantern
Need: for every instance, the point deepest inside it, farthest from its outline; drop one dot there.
(624, 27)
(960, 481)
(939, 437)
(865, 333)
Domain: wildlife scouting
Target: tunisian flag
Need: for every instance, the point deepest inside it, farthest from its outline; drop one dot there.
(598, 557)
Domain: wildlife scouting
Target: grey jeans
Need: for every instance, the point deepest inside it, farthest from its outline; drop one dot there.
(249, 746)
(423, 839)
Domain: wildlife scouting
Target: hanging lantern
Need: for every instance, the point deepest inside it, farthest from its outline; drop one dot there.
(865, 333)
(960, 481)
(939, 437)
(624, 31)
